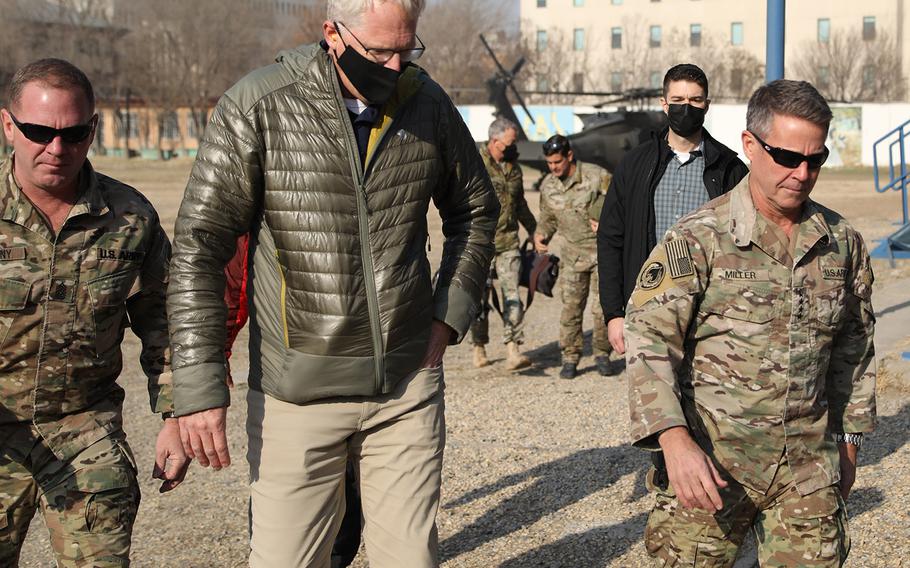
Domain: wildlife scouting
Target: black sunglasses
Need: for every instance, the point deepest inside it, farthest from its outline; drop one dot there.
(560, 145)
(791, 159)
(41, 134)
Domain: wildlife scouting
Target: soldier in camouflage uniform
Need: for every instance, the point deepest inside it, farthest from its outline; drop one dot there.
(569, 194)
(750, 357)
(500, 157)
(82, 257)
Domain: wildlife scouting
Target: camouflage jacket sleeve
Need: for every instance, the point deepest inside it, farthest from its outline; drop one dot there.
(658, 316)
(148, 319)
(525, 217)
(851, 372)
(547, 224)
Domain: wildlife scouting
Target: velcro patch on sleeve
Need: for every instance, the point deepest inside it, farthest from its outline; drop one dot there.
(679, 261)
(652, 280)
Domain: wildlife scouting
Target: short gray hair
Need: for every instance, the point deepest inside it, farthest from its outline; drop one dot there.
(784, 97)
(500, 126)
(350, 12)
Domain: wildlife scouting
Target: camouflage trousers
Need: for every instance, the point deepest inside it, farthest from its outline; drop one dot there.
(508, 266)
(790, 529)
(89, 503)
(578, 281)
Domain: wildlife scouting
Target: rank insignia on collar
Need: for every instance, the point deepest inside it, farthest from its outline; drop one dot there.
(678, 258)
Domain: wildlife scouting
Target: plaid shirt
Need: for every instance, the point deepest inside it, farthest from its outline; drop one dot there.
(681, 190)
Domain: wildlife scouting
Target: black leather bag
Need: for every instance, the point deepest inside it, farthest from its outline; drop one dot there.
(539, 272)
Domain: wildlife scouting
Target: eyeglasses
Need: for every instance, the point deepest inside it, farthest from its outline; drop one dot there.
(560, 145)
(791, 159)
(41, 134)
(382, 55)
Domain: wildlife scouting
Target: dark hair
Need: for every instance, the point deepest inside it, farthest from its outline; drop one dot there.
(686, 72)
(55, 73)
(789, 98)
(556, 144)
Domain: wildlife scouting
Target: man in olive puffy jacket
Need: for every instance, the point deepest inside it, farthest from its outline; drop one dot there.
(329, 158)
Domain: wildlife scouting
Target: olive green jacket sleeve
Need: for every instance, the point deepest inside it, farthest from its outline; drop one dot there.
(525, 216)
(851, 372)
(221, 198)
(148, 320)
(469, 210)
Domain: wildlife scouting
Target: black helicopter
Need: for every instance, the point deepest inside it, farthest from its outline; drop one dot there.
(605, 136)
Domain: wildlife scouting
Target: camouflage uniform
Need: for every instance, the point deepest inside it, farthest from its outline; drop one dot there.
(509, 187)
(762, 346)
(65, 301)
(565, 206)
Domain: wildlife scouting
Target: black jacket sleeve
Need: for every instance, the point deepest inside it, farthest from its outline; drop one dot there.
(610, 239)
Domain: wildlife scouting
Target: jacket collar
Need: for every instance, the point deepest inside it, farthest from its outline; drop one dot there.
(748, 226)
(714, 151)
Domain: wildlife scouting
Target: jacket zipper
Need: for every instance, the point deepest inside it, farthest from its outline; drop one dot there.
(366, 254)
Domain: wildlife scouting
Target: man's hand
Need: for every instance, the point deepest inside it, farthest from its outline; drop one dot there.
(203, 436)
(440, 335)
(614, 334)
(539, 245)
(847, 468)
(171, 461)
(594, 225)
(692, 473)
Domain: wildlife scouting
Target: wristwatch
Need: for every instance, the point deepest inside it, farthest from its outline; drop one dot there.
(855, 439)
(166, 415)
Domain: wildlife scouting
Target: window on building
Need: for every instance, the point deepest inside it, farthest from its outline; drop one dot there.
(194, 120)
(868, 28)
(736, 33)
(654, 40)
(541, 3)
(616, 81)
(541, 40)
(542, 83)
(695, 35)
(824, 77)
(578, 81)
(616, 38)
(869, 73)
(824, 30)
(616, 2)
(170, 128)
(579, 39)
(121, 121)
(736, 80)
(577, 3)
(656, 79)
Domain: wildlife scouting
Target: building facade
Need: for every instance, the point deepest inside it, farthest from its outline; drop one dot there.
(850, 50)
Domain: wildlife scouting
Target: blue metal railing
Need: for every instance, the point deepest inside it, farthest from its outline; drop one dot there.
(897, 176)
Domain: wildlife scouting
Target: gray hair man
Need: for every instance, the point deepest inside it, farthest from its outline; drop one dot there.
(500, 156)
(330, 158)
(750, 357)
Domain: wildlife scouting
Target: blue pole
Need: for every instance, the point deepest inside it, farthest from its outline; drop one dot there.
(774, 52)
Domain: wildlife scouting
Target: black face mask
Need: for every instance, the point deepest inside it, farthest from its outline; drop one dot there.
(372, 80)
(510, 153)
(685, 119)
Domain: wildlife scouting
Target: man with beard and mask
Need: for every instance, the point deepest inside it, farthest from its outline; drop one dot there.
(655, 184)
(500, 156)
(329, 159)
(567, 194)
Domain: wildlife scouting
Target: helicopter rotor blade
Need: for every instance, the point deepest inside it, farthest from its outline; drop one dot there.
(520, 100)
(489, 49)
(517, 67)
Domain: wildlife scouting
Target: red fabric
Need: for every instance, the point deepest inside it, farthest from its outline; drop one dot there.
(235, 292)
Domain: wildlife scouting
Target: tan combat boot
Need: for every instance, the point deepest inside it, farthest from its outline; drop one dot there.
(480, 356)
(515, 360)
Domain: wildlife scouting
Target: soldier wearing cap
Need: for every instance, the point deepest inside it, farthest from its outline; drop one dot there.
(82, 257)
(568, 195)
(750, 356)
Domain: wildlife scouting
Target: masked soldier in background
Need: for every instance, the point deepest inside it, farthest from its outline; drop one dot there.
(500, 156)
(567, 195)
(82, 257)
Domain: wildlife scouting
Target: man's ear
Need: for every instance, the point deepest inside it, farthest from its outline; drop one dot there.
(749, 144)
(664, 105)
(329, 33)
(570, 156)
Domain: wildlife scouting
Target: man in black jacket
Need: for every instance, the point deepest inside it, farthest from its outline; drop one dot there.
(675, 172)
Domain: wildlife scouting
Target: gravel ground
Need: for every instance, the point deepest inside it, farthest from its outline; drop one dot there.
(537, 469)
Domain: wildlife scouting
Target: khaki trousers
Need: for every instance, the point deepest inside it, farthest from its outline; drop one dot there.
(297, 456)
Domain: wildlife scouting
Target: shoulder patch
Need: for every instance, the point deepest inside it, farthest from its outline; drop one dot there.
(651, 276)
(679, 260)
(652, 280)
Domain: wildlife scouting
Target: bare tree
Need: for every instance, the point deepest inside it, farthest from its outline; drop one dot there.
(847, 68)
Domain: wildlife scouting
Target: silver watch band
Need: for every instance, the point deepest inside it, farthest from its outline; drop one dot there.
(855, 439)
